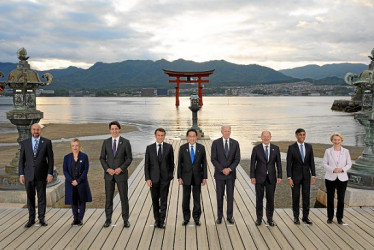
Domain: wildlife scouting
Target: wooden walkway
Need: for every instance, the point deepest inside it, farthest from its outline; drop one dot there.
(244, 234)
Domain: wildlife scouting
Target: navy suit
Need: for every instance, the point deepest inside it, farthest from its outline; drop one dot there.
(192, 174)
(300, 172)
(220, 161)
(36, 169)
(77, 196)
(266, 172)
(122, 159)
(160, 173)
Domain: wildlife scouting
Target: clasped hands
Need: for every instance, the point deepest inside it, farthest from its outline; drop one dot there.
(116, 171)
(290, 181)
(338, 170)
(226, 171)
(203, 182)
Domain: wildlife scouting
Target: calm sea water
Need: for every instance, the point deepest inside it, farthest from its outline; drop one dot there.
(248, 116)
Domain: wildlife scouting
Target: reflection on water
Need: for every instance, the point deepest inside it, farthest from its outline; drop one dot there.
(248, 116)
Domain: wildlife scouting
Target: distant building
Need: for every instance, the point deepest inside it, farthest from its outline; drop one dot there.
(44, 92)
(148, 92)
(162, 92)
(231, 92)
(75, 93)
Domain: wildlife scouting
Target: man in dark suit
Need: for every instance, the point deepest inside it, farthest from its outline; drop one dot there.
(300, 173)
(158, 171)
(35, 170)
(192, 172)
(225, 158)
(266, 171)
(115, 158)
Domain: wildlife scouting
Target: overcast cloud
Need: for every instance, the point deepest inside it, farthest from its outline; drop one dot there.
(273, 33)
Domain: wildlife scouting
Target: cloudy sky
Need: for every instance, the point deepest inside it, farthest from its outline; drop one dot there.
(275, 33)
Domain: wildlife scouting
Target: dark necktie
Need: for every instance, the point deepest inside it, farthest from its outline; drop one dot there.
(114, 147)
(302, 152)
(226, 149)
(159, 154)
(36, 147)
(267, 153)
(192, 154)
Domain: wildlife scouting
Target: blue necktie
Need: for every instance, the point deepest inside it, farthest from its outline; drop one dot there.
(267, 153)
(192, 154)
(226, 149)
(36, 147)
(302, 152)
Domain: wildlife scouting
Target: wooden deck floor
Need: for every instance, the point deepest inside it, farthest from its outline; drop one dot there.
(59, 234)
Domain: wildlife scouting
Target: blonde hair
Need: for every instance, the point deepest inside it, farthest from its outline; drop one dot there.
(76, 140)
(336, 134)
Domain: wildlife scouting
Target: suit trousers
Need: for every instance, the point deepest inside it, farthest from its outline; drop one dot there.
(159, 194)
(220, 190)
(196, 191)
(304, 184)
(340, 187)
(40, 187)
(78, 207)
(123, 194)
(270, 189)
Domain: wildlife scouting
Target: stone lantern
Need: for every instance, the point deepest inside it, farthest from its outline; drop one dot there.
(24, 82)
(194, 99)
(361, 175)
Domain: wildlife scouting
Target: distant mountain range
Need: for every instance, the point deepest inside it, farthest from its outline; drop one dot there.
(146, 73)
(316, 72)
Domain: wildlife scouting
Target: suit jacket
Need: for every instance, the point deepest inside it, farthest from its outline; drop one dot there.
(83, 186)
(122, 159)
(159, 172)
(36, 167)
(329, 163)
(260, 167)
(296, 168)
(220, 161)
(186, 168)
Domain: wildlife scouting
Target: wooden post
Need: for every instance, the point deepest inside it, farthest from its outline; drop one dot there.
(177, 92)
(200, 92)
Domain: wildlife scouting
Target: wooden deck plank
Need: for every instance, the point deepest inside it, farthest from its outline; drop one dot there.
(318, 238)
(315, 217)
(67, 230)
(10, 218)
(77, 239)
(27, 238)
(244, 234)
(346, 233)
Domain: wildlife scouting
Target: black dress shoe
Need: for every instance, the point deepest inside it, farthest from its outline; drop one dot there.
(307, 221)
(126, 223)
(79, 222)
(219, 221)
(74, 223)
(197, 223)
(271, 223)
(43, 223)
(107, 223)
(29, 223)
(258, 222)
(161, 225)
(329, 221)
(231, 220)
(340, 222)
(156, 224)
(296, 221)
(185, 222)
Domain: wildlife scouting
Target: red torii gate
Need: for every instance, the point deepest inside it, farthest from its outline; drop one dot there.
(188, 79)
